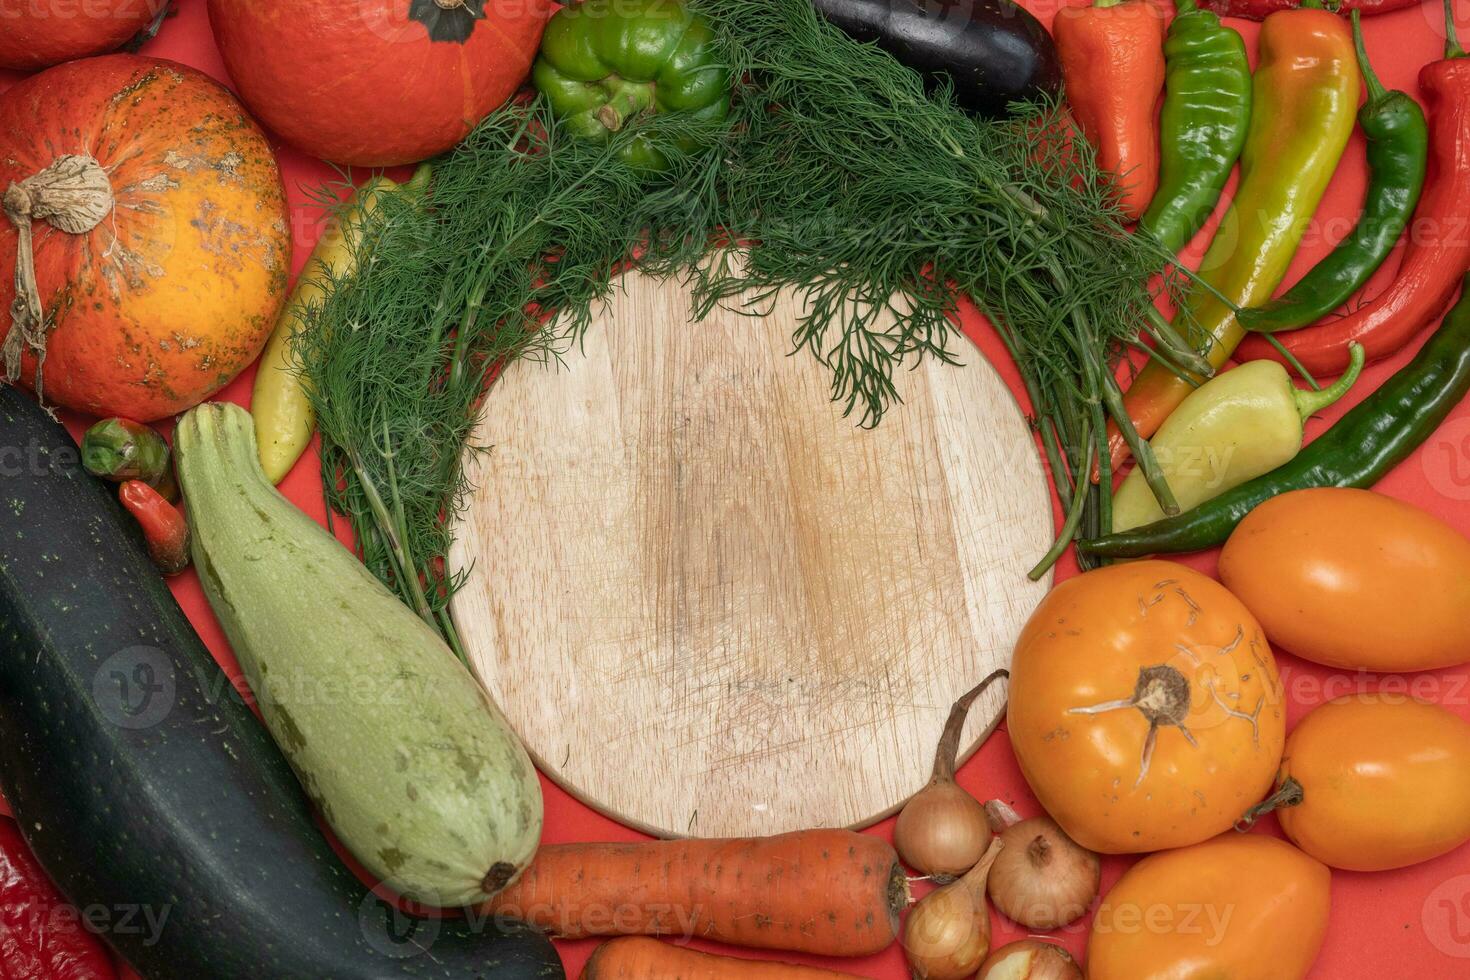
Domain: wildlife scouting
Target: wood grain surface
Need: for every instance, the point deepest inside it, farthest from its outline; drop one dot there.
(712, 605)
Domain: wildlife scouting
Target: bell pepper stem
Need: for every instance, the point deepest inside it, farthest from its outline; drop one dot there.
(1376, 91)
(1309, 403)
(1452, 47)
(1289, 795)
(628, 99)
(1182, 7)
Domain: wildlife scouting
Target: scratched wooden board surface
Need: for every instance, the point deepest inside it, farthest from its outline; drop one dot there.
(712, 605)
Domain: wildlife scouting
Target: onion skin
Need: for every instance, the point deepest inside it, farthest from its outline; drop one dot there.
(942, 832)
(947, 935)
(1043, 879)
(1030, 959)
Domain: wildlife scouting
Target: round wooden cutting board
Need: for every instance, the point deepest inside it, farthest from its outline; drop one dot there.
(710, 604)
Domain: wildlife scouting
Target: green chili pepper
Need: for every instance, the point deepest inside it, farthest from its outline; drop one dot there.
(121, 449)
(1398, 147)
(1367, 442)
(1207, 110)
(605, 62)
(1233, 428)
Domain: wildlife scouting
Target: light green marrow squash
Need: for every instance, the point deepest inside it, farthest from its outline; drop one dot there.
(412, 766)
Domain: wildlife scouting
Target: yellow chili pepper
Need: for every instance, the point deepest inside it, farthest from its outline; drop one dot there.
(1306, 99)
(1234, 428)
(284, 420)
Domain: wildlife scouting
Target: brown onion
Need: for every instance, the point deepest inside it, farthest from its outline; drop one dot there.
(947, 935)
(943, 830)
(1044, 879)
(1030, 959)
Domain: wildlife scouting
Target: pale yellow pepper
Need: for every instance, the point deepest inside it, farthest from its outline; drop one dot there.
(1239, 425)
(284, 420)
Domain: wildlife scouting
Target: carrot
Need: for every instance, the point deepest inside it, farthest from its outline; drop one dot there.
(827, 892)
(636, 958)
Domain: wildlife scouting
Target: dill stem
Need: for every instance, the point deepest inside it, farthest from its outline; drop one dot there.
(398, 554)
(1070, 525)
(1162, 331)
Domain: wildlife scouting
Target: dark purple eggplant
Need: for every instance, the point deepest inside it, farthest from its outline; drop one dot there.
(995, 52)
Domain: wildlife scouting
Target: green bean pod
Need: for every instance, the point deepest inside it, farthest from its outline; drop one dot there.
(1371, 439)
(1207, 110)
(1398, 150)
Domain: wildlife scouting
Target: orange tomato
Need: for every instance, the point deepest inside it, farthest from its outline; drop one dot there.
(1145, 707)
(1239, 907)
(1351, 578)
(1384, 783)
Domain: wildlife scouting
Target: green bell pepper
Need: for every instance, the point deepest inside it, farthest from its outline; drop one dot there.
(606, 62)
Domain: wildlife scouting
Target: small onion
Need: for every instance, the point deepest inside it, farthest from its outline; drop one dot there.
(943, 830)
(1030, 959)
(947, 935)
(1044, 879)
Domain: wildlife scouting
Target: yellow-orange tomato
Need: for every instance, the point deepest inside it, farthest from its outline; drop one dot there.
(1145, 707)
(1384, 783)
(1351, 578)
(1239, 907)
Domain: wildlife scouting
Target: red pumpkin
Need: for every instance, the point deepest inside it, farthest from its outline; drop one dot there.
(154, 212)
(376, 82)
(37, 33)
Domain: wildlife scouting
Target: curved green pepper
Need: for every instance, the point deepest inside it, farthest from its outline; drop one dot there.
(1207, 111)
(605, 62)
(1398, 150)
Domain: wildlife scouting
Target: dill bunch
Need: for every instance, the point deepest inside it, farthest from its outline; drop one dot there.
(841, 178)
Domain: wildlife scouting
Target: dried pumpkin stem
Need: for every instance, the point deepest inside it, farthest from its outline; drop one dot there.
(73, 195)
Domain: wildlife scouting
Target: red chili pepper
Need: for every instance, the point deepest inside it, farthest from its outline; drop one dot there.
(1260, 9)
(1438, 250)
(1112, 56)
(164, 528)
(41, 936)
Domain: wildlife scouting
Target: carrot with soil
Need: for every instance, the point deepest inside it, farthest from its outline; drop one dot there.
(825, 892)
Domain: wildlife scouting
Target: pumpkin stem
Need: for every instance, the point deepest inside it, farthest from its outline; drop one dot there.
(72, 195)
(449, 4)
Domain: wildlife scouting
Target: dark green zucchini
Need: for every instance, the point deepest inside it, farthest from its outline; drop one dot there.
(144, 784)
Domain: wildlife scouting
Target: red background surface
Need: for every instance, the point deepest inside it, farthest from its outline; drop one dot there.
(1409, 923)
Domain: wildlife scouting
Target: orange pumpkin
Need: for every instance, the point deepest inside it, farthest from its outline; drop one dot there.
(37, 33)
(154, 212)
(376, 82)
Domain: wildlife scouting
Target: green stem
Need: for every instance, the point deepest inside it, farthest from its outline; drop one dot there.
(1291, 359)
(1179, 351)
(1309, 403)
(1069, 526)
(1452, 47)
(1182, 7)
(1289, 795)
(403, 564)
(1376, 91)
